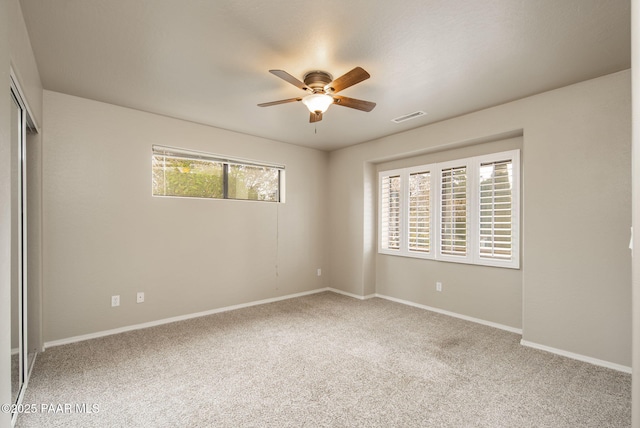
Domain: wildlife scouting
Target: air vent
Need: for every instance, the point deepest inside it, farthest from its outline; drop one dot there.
(408, 116)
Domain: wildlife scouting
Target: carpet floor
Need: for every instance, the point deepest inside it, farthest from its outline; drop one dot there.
(323, 360)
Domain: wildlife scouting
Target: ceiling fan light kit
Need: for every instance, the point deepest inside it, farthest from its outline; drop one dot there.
(317, 102)
(321, 88)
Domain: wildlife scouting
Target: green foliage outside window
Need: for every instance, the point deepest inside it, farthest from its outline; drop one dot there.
(189, 178)
(175, 176)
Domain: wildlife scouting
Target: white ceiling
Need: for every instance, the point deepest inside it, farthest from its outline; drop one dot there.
(207, 61)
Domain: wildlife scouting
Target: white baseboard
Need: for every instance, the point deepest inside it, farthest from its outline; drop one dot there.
(523, 342)
(453, 314)
(178, 318)
(578, 357)
(346, 293)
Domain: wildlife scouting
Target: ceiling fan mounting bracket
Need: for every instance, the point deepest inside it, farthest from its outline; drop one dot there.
(317, 80)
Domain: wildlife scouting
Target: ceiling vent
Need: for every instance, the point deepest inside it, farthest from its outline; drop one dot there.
(408, 116)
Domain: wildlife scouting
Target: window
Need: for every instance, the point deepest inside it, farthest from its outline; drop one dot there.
(464, 211)
(453, 211)
(496, 210)
(184, 173)
(390, 207)
(419, 211)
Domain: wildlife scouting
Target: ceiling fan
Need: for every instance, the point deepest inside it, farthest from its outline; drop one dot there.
(321, 89)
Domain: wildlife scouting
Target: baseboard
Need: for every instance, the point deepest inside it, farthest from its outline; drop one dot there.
(579, 357)
(523, 342)
(177, 318)
(346, 293)
(452, 314)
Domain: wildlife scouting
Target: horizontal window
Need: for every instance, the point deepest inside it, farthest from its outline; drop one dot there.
(184, 173)
(464, 211)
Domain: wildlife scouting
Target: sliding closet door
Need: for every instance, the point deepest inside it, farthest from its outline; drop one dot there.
(17, 351)
(21, 358)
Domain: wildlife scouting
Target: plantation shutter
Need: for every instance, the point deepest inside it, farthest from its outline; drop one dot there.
(390, 188)
(419, 211)
(453, 211)
(462, 211)
(496, 210)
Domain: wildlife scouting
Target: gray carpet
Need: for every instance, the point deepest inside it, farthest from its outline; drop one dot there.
(323, 360)
(15, 376)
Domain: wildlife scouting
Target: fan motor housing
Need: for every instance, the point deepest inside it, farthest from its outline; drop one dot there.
(317, 80)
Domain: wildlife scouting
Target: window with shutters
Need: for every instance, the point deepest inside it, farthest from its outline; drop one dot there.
(390, 186)
(453, 211)
(496, 210)
(464, 211)
(419, 233)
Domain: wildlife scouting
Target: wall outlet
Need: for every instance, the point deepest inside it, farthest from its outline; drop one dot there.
(319, 272)
(140, 297)
(438, 286)
(115, 301)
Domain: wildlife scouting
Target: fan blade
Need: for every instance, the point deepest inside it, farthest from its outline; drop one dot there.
(352, 77)
(289, 78)
(273, 103)
(353, 103)
(315, 117)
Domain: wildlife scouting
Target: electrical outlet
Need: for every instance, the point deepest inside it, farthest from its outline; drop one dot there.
(319, 272)
(438, 286)
(115, 301)
(140, 297)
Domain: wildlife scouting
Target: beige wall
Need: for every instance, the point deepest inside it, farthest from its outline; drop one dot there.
(5, 215)
(24, 61)
(494, 295)
(635, 67)
(576, 267)
(106, 235)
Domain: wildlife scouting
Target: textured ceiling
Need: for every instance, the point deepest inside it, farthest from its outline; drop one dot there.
(207, 61)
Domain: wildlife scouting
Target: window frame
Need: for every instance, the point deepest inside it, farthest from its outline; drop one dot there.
(226, 163)
(386, 249)
(472, 191)
(431, 205)
(440, 255)
(514, 156)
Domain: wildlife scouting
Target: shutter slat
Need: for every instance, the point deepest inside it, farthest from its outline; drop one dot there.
(419, 212)
(453, 211)
(495, 233)
(390, 212)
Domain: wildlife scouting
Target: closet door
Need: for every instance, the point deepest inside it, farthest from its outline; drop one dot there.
(16, 313)
(19, 358)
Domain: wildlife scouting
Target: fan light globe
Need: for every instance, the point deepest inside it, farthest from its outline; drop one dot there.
(317, 102)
